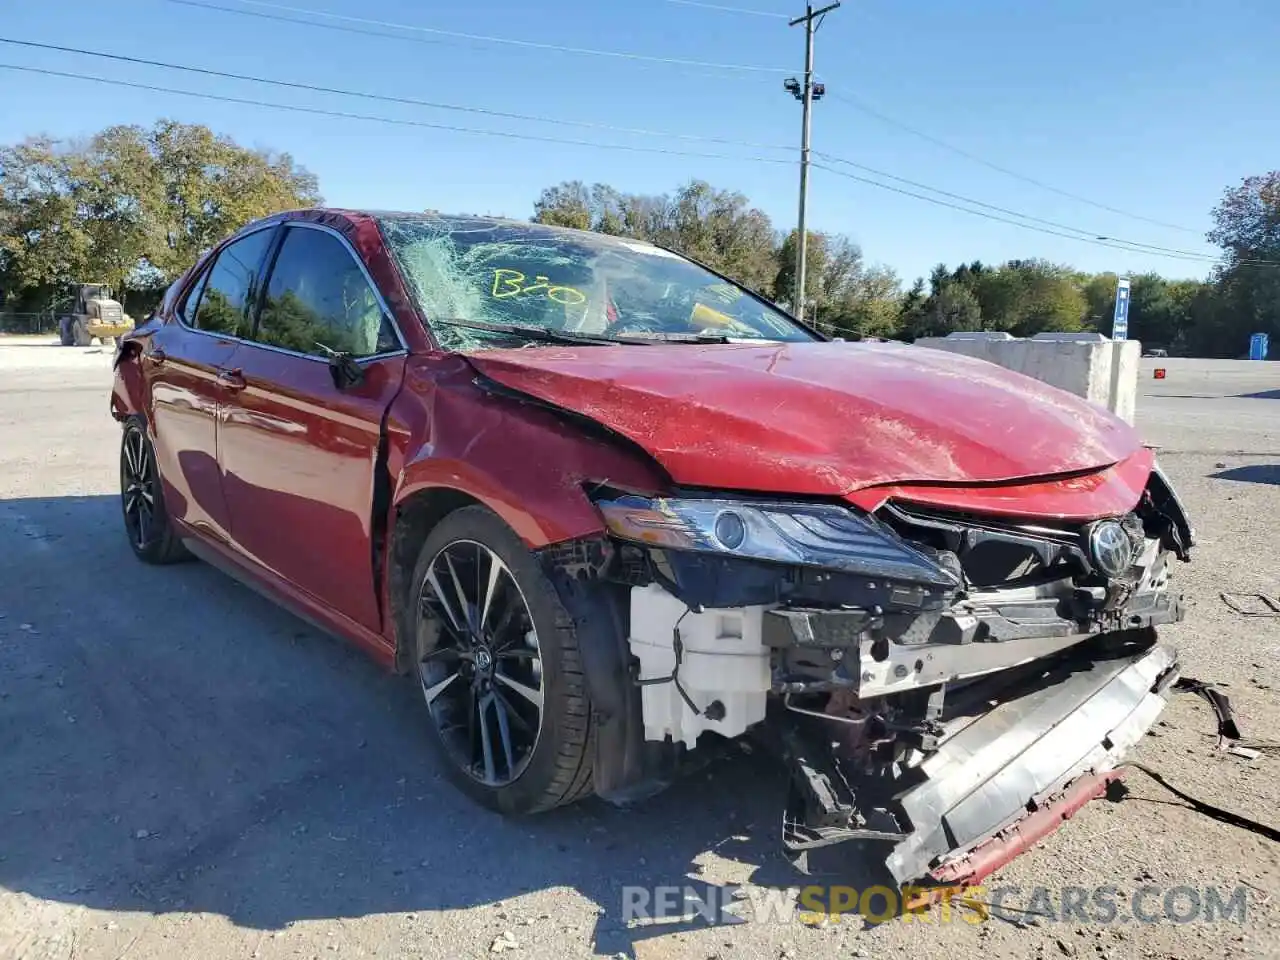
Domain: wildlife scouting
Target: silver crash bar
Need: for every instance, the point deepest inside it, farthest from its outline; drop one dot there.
(989, 767)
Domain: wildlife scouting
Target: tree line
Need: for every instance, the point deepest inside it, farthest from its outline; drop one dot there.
(847, 296)
(133, 207)
(130, 207)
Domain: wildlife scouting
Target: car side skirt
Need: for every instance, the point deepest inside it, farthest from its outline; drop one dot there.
(297, 602)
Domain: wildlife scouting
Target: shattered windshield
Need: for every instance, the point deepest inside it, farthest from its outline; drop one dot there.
(471, 276)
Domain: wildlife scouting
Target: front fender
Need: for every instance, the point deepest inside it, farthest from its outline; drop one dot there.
(129, 387)
(524, 461)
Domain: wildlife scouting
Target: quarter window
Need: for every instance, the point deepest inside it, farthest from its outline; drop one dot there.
(188, 311)
(230, 286)
(318, 298)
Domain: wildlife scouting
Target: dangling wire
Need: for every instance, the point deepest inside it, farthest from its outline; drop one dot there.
(678, 646)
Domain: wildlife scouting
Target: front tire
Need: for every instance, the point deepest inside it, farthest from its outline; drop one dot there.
(146, 521)
(498, 665)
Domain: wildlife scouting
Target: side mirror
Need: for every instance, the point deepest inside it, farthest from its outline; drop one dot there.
(346, 372)
(343, 367)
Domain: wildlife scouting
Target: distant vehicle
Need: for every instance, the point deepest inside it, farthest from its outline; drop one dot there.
(1156, 353)
(611, 509)
(93, 314)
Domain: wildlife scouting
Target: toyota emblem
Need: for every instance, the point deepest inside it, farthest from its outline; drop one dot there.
(1110, 548)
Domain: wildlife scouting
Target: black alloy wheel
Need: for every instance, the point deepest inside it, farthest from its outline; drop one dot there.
(137, 488)
(483, 682)
(497, 662)
(146, 521)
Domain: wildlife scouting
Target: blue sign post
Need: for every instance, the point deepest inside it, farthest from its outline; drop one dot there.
(1259, 344)
(1120, 320)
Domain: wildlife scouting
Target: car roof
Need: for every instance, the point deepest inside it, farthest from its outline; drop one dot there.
(456, 221)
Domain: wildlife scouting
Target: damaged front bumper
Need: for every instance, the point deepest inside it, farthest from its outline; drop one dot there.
(995, 669)
(993, 768)
(933, 761)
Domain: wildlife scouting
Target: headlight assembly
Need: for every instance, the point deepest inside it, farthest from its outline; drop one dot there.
(812, 535)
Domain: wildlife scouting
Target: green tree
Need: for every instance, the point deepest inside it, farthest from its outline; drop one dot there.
(1026, 297)
(132, 207)
(821, 276)
(212, 187)
(1160, 310)
(951, 306)
(1213, 317)
(44, 241)
(854, 299)
(718, 227)
(873, 306)
(1247, 227)
(567, 204)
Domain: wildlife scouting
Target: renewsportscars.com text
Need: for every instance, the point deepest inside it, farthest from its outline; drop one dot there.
(1102, 905)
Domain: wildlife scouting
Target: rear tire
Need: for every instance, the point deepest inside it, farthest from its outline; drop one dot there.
(499, 636)
(146, 521)
(80, 332)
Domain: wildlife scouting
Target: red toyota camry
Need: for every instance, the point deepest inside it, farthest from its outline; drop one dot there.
(614, 512)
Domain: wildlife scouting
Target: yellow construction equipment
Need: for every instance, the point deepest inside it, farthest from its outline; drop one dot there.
(93, 314)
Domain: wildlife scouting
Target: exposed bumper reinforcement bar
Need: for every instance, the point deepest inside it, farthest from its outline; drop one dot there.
(985, 788)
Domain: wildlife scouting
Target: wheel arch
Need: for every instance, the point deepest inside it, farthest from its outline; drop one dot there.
(529, 465)
(626, 767)
(127, 390)
(415, 515)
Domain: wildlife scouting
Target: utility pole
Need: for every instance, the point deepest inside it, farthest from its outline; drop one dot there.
(807, 93)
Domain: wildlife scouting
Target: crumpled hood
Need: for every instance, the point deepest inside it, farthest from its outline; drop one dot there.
(820, 418)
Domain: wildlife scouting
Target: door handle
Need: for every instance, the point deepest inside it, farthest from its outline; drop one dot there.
(232, 380)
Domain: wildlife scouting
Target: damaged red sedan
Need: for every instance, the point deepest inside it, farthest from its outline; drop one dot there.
(612, 512)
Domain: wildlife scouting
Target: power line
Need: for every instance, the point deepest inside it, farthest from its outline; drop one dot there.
(1198, 258)
(386, 98)
(1050, 228)
(1088, 234)
(481, 38)
(588, 125)
(725, 9)
(969, 210)
(342, 114)
(936, 141)
(563, 122)
(852, 101)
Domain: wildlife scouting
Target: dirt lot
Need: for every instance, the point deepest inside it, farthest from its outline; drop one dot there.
(186, 771)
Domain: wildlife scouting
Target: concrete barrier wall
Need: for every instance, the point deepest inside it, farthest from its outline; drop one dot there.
(1101, 370)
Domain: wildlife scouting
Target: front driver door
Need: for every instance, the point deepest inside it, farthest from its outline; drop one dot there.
(185, 364)
(298, 451)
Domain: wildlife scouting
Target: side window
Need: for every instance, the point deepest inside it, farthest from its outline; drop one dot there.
(230, 286)
(318, 295)
(188, 311)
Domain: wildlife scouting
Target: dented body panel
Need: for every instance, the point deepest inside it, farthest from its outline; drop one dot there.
(523, 461)
(1111, 491)
(822, 419)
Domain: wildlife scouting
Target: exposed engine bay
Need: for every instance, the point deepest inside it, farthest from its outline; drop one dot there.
(930, 677)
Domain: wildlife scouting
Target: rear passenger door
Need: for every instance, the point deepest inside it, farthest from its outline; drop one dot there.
(185, 363)
(297, 446)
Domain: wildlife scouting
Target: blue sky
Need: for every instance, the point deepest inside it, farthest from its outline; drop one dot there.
(1152, 107)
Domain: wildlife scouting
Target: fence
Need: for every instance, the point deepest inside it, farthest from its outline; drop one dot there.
(15, 322)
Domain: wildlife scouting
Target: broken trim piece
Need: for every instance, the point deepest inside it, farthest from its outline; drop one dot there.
(992, 854)
(984, 776)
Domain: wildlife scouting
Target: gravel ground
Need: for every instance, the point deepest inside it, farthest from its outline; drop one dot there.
(187, 771)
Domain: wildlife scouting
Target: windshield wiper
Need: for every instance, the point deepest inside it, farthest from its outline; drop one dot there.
(541, 334)
(659, 337)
